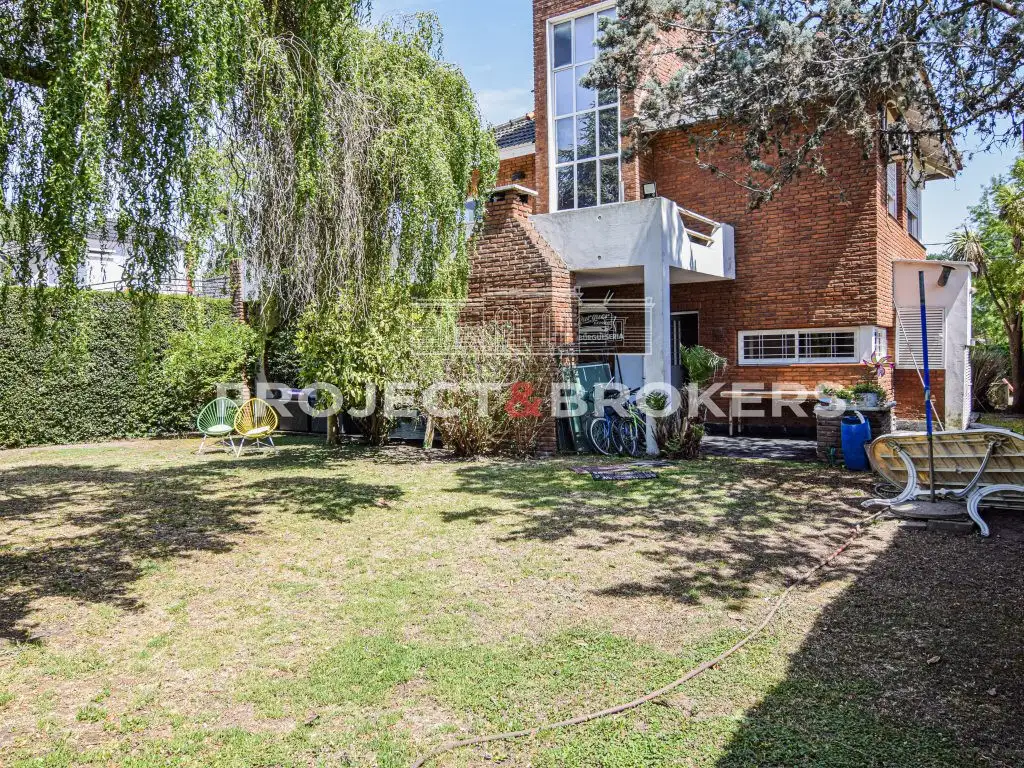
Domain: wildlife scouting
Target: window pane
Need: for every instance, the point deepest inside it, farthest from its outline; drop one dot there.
(564, 85)
(609, 131)
(585, 97)
(829, 344)
(563, 45)
(566, 188)
(609, 96)
(586, 136)
(769, 346)
(609, 181)
(585, 38)
(587, 191)
(566, 140)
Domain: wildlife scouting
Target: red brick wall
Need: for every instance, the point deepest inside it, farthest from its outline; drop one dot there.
(910, 395)
(808, 258)
(525, 164)
(894, 242)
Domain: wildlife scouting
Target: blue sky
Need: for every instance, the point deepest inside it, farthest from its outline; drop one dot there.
(492, 41)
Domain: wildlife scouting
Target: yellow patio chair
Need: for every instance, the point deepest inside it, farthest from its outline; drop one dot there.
(256, 421)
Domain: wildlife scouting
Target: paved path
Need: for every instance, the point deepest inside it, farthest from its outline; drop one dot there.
(760, 448)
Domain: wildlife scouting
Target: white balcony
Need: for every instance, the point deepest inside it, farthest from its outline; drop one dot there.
(613, 244)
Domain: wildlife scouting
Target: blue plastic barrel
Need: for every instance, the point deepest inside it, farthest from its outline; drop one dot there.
(856, 434)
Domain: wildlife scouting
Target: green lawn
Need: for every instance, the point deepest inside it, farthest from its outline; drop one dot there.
(1004, 421)
(357, 607)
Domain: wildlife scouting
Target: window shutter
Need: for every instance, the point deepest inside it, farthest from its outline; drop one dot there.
(891, 182)
(909, 350)
(914, 207)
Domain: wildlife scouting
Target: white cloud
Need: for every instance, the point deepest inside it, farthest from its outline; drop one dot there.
(500, 106)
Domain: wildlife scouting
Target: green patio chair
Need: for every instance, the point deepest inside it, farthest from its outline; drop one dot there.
(217, 422)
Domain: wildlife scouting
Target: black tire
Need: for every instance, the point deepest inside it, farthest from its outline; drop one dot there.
(602, 436)
(632, 440)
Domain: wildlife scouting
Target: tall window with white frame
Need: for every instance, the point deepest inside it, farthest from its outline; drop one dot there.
(585, 123)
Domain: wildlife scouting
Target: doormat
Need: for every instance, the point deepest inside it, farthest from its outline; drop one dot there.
(620, 467)
(625, 474)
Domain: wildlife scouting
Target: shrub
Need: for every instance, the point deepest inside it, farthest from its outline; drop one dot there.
(281, 359)
(680, 434)
(485, 355)
(199, 358)
(989, 366)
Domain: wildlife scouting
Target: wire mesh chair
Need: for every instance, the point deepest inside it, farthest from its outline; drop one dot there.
(256, 421)
(217, 422)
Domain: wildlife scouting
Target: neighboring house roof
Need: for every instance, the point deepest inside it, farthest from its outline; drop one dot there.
(516, 133)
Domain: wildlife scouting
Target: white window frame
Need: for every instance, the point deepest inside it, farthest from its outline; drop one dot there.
(864, 344)
(553, 163)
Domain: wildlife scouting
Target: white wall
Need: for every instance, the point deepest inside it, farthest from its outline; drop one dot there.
(955, 297)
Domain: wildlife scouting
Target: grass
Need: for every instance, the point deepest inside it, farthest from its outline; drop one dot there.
(1004, 421)
(358, 607)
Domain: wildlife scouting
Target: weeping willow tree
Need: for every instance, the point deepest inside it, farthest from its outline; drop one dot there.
(110, 110)
(284, 132)
(332, 159)
(355, 243)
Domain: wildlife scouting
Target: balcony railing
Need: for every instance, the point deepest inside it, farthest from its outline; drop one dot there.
(705, 238)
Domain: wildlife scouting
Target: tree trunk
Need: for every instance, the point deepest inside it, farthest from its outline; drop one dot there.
(1015, 334)
(333, 429)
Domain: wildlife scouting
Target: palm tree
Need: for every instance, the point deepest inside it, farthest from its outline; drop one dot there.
(995, 248)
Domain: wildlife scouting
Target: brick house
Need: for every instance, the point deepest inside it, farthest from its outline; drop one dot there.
(795, 293)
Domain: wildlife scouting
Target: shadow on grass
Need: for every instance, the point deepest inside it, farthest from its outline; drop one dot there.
(89, 532)
(920, 662)
(715, 529)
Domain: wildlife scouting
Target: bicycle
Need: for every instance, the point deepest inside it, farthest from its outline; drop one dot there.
(632, 431)
(613, 433)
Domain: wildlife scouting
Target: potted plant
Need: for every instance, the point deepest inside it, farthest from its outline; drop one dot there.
(868, 394)
(835, 399)
(680, 434)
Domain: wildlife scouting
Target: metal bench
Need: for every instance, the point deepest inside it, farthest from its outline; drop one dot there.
(977, 466)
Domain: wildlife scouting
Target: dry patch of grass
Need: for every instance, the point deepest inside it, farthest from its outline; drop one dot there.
(356, 607)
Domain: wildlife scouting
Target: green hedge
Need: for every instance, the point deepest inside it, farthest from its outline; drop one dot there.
(98, 379)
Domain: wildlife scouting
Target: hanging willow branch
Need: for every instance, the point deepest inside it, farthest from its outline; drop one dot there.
(382, 199)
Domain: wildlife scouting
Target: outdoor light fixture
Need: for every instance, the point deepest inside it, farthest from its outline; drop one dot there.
(944, 278)
(650, 190)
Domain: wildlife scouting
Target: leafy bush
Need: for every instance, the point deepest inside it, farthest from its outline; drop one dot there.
(199, 358)
(989, 366)
(98, 378)
(281, 359)
(365, 346)
(679, 435)
(487, 355)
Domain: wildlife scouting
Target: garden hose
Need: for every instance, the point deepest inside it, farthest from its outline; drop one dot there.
(695, 672)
